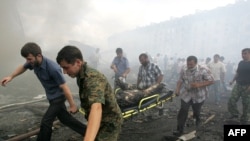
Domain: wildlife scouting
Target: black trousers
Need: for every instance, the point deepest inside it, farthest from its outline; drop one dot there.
(183, 113)
(58, 109)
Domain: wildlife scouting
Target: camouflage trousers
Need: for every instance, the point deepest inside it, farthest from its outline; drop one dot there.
(238, 92)
(109, 131)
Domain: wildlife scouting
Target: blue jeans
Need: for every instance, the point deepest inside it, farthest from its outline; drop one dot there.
(215, 89)
(58, 109)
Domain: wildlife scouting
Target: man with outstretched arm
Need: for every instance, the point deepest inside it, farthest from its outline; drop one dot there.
(57, 91)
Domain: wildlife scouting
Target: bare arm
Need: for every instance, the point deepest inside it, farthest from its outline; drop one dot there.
(94, 121)
(159, 79)
(223, 77)
(223, 72)
(126, 73)
(235, 76)
(113, 66)
(138, 81)
(201, 84)
(17, 72)
(69, 97)
(178, 87)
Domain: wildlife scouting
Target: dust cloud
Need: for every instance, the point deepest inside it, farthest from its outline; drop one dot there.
(53, 24)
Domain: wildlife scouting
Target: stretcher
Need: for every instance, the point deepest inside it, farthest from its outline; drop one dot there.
(145, 104)
(148, 103)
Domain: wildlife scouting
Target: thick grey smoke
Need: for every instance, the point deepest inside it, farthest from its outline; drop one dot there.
(50, 23)
(53, 22)
(12, 35)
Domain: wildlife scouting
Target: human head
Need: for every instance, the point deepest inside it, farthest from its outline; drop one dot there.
(70, 59)
(208, 59)
(245, 53)
(222, 58)
(119, 52)
(33, 53)
(191, 62)
(30, 48)
(216, 58)
(143, 58)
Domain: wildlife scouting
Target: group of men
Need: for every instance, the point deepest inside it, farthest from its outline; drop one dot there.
(240, 90)
(196, 81)
(148, 75)
(97, 96)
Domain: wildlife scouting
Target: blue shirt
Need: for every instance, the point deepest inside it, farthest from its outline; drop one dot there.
(121, 65)
(50, 75)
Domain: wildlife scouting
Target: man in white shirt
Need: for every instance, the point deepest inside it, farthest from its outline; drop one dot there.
(218, 70)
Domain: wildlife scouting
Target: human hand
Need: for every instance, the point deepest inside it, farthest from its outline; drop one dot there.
(5, 80)
(177, 93)
(73, 109)
(194, 85)
(122, 79)
(145, 92)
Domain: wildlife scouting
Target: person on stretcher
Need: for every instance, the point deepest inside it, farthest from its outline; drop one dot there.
(128, 95)
(149, 82)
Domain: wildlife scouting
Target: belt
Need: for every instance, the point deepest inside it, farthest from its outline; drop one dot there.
(58, 99)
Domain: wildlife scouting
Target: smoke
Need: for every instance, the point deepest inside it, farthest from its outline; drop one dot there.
(53, 22)
(11, 37)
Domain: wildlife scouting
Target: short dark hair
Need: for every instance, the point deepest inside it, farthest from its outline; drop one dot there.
(118, 50)
(69, 54)
(217, 55)
(30, 48)
(246, 49)
(192, 58)
(143, 55)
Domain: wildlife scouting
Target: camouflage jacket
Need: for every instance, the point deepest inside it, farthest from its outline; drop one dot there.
(95, 88)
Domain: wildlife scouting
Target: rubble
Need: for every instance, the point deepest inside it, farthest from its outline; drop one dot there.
(25, 119)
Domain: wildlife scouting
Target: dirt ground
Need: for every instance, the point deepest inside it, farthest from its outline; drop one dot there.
(25, 118)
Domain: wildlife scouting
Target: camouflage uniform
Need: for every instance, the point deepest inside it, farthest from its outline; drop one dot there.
(237, 92)
(94, 88)
(241, 90)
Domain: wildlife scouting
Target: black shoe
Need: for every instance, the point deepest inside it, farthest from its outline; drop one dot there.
(198, 123)
(177, 133)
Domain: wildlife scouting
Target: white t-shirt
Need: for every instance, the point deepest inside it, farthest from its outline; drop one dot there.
(217, 69)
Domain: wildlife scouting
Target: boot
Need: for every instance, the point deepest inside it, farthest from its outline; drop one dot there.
(179, 131)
